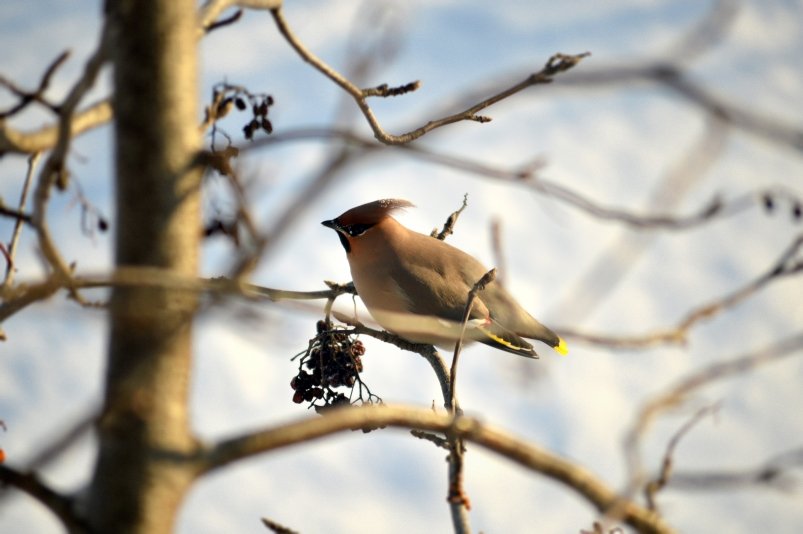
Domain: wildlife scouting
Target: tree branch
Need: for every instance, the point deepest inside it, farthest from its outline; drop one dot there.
(61, 506)
(556, 64)
(680, 391)
(525, 454)
(784, 266)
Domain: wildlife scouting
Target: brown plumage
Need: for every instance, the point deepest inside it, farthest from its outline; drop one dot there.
(417, 286)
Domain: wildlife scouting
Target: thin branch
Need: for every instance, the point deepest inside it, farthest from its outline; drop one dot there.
(15, 236)
(28, 97)
(448, 226)
(486, 279)
(786, 265)
(772, 473)
(459, 501)
(657, 484)
(534, 458)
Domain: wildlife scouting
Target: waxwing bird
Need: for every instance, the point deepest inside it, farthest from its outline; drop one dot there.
(417, 286)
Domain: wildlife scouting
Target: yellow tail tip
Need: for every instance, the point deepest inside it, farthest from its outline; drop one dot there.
(561, 347)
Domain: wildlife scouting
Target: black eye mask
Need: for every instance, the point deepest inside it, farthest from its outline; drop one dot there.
(356, 230)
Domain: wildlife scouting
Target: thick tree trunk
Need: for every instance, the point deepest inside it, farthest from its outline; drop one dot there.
(142, 474)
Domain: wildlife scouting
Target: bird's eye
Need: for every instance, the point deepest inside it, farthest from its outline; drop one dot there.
(355, 230)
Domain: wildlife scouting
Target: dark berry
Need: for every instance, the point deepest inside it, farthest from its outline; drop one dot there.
(298, 397)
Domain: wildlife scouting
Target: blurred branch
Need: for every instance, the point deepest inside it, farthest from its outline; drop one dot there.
(707, 32)
(714, 208)
(29, 97)
(63, 507)
(212, 9)
(673, 77)
(612, 264)
(22, 295)
(656, 485)
(680, 391)
(527, 455)
(14, 141)
(772, 473)
(786, 265)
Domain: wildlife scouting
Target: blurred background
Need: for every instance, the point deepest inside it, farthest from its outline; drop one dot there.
(625, 136)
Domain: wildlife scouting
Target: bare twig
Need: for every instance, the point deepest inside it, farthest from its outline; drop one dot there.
(448, 226)
(486, 279)
(15, 236)
(556, 64)
(28, 97)
(657, 484)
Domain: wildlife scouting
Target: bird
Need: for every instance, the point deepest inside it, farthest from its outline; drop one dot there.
(417, 286)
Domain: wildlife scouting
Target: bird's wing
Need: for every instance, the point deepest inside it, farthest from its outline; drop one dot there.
(499, 337)
(436, 284)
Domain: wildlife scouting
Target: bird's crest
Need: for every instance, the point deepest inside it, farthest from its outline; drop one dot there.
(373, 212)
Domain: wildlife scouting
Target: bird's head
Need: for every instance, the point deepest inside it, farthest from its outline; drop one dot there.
(353, 223)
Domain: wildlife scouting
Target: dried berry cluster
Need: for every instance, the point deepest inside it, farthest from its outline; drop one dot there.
(332, 361)
(226, 97)
(260, 108)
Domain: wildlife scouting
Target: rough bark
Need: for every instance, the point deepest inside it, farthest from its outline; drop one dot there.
(139, 479)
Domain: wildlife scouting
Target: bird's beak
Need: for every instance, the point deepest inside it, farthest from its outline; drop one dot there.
(334, 225)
